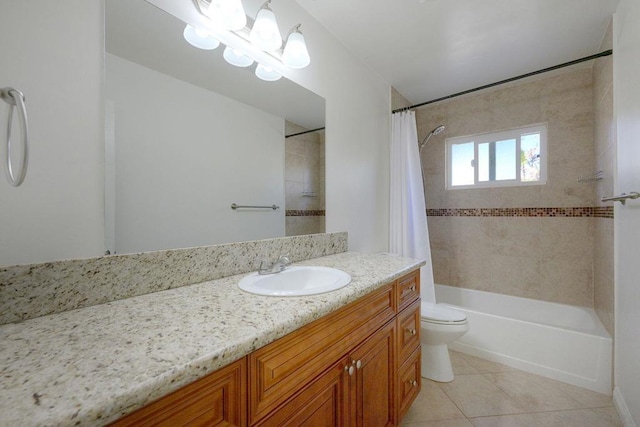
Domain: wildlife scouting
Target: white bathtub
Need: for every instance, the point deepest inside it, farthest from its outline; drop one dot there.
(558, 341)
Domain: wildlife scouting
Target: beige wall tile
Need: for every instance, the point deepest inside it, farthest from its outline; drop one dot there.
(300, 225)
(568, 239)
(439, 232)
(545, 258)
(567, 282)
(518, 237)
(522, 197)
(440, 260)
(518, 276)
(470, 270)
(605, 154)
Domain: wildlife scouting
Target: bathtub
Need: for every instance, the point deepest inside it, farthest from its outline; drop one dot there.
(563, 342)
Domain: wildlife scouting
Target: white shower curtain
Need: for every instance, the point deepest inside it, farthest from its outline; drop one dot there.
(409, 235)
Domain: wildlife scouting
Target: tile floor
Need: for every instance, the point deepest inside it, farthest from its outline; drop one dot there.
(487, 394)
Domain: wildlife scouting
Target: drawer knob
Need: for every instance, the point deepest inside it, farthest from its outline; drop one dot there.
(413, 288)
(413, 383)
(349, 369)
(411, 331)
(357, 363)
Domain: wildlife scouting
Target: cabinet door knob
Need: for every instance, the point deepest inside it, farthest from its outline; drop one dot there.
(413, 383)
(413, 288)
(411, 331)
(349, 369)
(357, 363)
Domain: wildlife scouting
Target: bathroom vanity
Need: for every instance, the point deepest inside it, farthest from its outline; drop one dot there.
(214, 353)
(359, 365)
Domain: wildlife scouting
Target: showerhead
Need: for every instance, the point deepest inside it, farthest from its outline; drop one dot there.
(438, 130)
(433, 132)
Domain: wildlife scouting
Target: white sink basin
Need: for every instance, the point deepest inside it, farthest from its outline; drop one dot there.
(296, 281)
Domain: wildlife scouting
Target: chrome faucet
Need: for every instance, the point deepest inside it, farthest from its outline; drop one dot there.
(267, 267)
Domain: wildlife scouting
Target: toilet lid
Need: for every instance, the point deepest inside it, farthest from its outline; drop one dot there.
(441, 313)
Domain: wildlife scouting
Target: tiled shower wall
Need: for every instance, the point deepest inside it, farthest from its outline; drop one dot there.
(544, 253)
(605, 154)
(304, 182)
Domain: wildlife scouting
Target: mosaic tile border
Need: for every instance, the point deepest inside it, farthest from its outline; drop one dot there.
(293, 212)
(568, 212)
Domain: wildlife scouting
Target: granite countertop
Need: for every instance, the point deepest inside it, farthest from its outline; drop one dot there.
(92, 365)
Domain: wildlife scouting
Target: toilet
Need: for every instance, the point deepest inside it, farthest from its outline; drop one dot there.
(439, 325)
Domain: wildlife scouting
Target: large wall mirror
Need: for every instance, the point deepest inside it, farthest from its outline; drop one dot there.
(188, 134)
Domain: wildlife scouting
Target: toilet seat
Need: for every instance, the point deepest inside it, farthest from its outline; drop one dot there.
(441, 314)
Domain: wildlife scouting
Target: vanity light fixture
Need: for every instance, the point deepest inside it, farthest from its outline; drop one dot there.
(295, 53)
(265, 33)
(267, 73)
(229, 14)
(236, 57)
(246, 41)
(200, 38)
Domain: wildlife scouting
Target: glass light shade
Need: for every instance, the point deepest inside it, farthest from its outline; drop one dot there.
(229, 14)
(265, 34)
(295, 53)
(236, 57)
(266, 73)
(200, 38)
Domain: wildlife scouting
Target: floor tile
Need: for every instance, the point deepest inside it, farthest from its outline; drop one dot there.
(534, 393)
(477, 396)
(575, 418)
(588, 398)
(441, 423)
(432, 404)
(519, 420)
(601, 417)
(487, 394)
(460, 365)
(483, 366)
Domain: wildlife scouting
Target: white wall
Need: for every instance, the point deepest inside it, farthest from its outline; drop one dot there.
(357, 137)
(183, 155)
(626, 67)
(57, 61)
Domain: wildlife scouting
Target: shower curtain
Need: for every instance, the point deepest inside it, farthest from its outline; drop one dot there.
(409, 235)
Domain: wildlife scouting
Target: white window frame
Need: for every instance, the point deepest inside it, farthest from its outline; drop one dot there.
(478, 139)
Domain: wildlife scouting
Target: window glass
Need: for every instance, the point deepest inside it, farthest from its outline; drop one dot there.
(497, 160)
(462, 172)
(530, 157)
(505, 158)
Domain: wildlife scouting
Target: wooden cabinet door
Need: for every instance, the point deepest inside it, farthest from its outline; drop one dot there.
(218, 399)
(281, 369)
(372, 398)
(323, 403)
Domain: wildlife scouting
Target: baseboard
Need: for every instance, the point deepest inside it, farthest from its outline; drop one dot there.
(623, 410)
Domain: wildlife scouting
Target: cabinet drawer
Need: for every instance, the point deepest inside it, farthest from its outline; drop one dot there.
(409, 383)
(408, 289)
(408, 331)
(218, 399)
(283, 367)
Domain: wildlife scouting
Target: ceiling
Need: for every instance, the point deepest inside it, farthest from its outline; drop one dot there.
(427, 49)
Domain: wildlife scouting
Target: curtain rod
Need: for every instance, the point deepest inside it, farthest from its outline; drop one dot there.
(544, 70)
(302, 133)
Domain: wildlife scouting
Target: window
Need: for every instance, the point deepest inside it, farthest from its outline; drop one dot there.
(499, 159)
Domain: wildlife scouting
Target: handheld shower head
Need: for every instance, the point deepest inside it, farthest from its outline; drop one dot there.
(433, 132)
